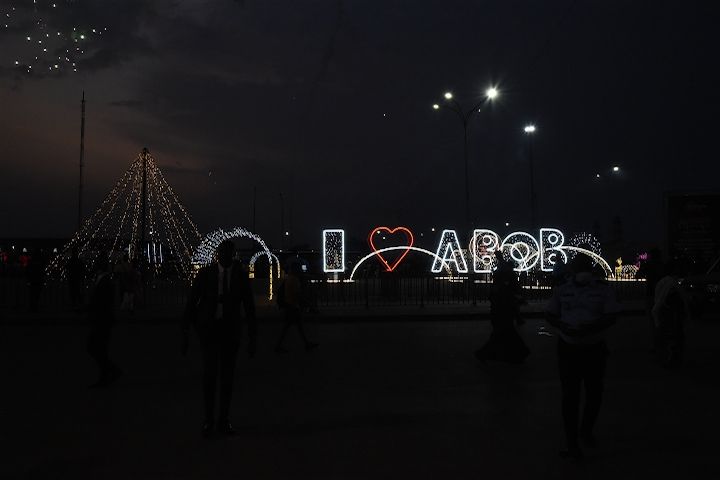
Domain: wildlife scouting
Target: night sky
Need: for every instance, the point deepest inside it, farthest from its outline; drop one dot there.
(329, 103)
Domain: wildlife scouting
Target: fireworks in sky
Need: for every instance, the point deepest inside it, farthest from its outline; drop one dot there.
(43, 38)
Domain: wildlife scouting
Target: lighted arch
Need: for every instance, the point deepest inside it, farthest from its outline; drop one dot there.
(390, 249)
(272, 257)
(592, 255)
(205, 252)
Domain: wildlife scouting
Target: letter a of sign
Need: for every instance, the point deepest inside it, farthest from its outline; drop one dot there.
(449, 252)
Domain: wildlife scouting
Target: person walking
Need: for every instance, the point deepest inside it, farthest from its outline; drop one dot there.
(220, 292)
(101, 315)
(580, 311)
(290, 298)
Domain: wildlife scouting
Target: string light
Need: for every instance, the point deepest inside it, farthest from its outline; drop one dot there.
(116, 226)
(449, 252)
(205, 253)
(334, 250)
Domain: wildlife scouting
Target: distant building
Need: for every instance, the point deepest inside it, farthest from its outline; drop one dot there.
(693, 226)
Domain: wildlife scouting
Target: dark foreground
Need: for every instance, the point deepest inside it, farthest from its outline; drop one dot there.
(394, 400)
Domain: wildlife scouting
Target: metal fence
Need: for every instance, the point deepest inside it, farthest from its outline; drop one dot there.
(319, 292)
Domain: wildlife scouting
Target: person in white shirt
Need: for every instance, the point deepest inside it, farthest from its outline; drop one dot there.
(580, 311)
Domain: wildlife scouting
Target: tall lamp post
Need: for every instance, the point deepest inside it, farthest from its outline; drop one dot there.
(465, 116)
(530, 132)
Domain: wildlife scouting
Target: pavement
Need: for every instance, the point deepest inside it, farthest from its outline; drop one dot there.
(325, 313)
(392, 399)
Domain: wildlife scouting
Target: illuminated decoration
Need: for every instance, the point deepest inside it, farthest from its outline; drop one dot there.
(521, 248)
(391, 249)
(271, 258)
(142, 217)
(333, 250)
(597, 258)
(584, 240)
(206, 252)
(483, 245)
(552, 241)
(378, 231)
(48, 41)
(448, 252)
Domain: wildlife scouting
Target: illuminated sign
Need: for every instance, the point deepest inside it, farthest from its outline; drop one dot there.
(522, 249)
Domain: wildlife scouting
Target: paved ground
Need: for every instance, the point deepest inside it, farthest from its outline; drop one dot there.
(377, 400)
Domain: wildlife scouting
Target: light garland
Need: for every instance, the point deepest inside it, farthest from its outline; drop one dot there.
(449, 252)
(116, 226)
(333, 250)
(206, 252)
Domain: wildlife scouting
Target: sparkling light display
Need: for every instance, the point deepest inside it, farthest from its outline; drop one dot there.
(449, 252)
(118, 225)
(552, 241)
(205, 253)
(333, 250)
(483, 245)
(390, 231)
(521, 248)
(42, 42)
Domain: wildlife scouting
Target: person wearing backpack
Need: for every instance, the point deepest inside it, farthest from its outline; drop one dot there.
(289, 299)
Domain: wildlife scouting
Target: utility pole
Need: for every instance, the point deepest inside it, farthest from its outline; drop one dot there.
(82, 154)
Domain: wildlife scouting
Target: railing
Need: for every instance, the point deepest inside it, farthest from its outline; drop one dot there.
(387, 291)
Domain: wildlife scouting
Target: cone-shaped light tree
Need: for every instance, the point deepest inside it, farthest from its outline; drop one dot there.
(141, 217)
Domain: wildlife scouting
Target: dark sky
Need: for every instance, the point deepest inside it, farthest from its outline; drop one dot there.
(329, 103)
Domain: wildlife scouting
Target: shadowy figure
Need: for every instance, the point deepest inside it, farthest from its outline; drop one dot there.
(101, 316)
(290, 299)
(581, 311)
(559, 271)
(127, 279)
(669, 314)
(218, 295)
(35, 272)
(76, 279)
(652, 270)
(504, 343)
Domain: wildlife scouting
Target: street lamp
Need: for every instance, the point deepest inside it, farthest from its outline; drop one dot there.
(616, 169)
(530, 131)
(465, 115)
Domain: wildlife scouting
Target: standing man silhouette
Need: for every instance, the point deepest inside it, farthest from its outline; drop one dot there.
(219, 293)
(581, 310)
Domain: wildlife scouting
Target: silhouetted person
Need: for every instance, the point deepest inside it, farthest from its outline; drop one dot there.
(35, 272)
(669, 314)
(559, 271)
(101, 315)
(652, 270)
(127, 279)
(76, 279)
(220, 293)
(504, 343)
(292, 303)
(581, 310)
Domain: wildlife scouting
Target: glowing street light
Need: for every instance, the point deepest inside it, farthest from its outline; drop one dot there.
(530, 133)
(616, 169)
(450, 103)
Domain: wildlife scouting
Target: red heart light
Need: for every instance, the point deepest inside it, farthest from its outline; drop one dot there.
(408, 234)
